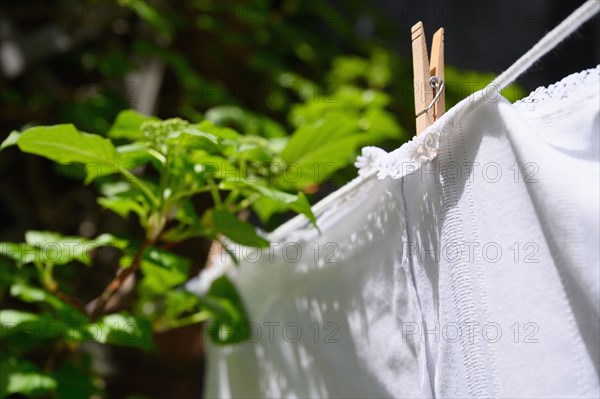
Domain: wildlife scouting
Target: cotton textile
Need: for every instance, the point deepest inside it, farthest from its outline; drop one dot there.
(469, 267)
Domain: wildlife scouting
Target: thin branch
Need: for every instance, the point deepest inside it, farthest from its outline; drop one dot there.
(74, 302)
(48, 282)
(117, 282)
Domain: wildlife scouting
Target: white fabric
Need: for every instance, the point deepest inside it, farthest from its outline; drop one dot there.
(469, 268)
(494, 232)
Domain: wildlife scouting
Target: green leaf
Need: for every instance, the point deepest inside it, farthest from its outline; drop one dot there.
(151, 15)
(23, 330)
(221, 132)
(230, 321)
(12, 318)
(133, 155)
(379, 125)
(312, 137)
(64, 144)
(298, 203)
(125, 330)
(127, 125)
(74, 383)
(245, 121)
(129, 157)
(17, 325)
(57, 249)
(20, 253)
(266, 207)
(179, 301)
(162, 271)
(212, 165)
(193, 138)
(18, 376)
(124, 205)
(63, 311)
(317, 165)
(252, 149)
(27, 293)
(241, 232)
(11, 140)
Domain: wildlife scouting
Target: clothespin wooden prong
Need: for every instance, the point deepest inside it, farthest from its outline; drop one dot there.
(423, 70)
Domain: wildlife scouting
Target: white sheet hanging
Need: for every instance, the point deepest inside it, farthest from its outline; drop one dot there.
(470, 268)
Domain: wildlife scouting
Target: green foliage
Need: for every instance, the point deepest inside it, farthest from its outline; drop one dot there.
(178, 180)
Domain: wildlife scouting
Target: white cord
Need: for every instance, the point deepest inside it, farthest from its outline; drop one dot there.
(580, 16)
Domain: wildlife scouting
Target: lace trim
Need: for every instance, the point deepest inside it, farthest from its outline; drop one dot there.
(424, 148)
(412, 154)
(398, 163)
(559, 90)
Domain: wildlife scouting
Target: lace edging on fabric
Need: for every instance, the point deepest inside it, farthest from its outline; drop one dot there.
(424, 148)
(409, 157)
(559, 90)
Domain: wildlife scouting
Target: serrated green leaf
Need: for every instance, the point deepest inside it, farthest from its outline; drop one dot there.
(64, 144)
(238, 231)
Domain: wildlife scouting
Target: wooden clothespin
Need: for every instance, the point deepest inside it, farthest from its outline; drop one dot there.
(430, 103)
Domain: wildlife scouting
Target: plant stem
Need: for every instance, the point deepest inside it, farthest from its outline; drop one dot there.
(189, 193)
(186, 321)
(214, 191)
(136, 182)
(245, 203)
(117, 282)
(51, 286)
(231, 197)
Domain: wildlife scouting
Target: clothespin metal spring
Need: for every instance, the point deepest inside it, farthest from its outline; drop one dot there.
(437, 84)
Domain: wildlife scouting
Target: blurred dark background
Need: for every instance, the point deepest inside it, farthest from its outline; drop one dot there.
(84, 61)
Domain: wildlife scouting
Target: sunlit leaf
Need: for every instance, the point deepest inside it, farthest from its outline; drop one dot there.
(241, 232)
(127, 125)
(11, 140)
(18, 376)
(64, 144)
(162, 271)
(125, 330)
